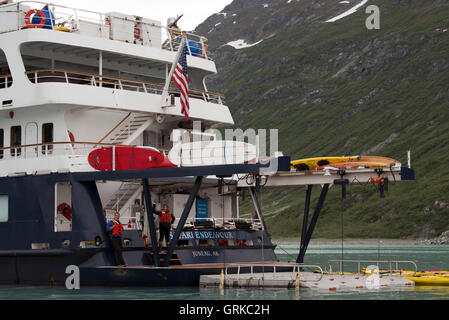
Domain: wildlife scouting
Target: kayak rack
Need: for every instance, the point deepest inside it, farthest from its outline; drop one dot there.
(378, 262)
(324, 179)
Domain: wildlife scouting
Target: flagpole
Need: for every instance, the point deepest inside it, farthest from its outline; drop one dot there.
(172, 71)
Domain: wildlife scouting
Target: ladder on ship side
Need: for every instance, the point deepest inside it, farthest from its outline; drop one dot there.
(128, 129)
(124, 197)
(124, 133)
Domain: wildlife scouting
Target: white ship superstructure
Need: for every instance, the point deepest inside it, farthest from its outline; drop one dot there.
(72, 80)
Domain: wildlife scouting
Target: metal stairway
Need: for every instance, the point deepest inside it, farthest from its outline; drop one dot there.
(128, 129)
(124, 133)
(124, 196)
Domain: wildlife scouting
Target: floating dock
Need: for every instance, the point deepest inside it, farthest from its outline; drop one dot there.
(301, 279)
(308, 280)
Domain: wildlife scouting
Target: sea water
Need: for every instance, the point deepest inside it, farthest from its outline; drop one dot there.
(426, 257)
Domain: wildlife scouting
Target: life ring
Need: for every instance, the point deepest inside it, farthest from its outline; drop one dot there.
(40, 13)
(65, 210)
(71, 137)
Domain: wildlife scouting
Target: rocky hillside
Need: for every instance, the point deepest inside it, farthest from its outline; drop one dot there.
(337, 88)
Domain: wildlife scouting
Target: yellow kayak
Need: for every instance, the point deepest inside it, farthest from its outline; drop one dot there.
(429, 280)
(388, 272)
(313, 163)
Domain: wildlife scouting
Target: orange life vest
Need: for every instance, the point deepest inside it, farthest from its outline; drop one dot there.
(117, 229)
(165, 217)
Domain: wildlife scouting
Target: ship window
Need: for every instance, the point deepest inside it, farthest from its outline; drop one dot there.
(47, 137)
(5, 74)
(2, 135)
(16, 140)
(4, 208)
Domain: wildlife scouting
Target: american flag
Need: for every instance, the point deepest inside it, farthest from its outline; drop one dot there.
(182, 81)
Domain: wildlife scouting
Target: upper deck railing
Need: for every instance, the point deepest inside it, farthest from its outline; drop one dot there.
(91, 79)
(113, 26)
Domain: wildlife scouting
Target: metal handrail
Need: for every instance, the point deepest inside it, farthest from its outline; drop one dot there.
(60, 143)
(115, 127)
(296, 268)
(390, 262)
(77, 15)
(93, 79)
(47, 149)
(216, 221)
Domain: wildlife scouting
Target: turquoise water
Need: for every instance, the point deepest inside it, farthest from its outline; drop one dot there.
(426, 257)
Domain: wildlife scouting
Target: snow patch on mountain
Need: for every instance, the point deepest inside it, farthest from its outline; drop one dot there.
(348, 12)
(241, 44)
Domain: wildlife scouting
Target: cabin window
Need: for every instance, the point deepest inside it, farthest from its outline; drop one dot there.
(5, 74)
(2, 136)
(63, 207)
(16, 140)
(47, 137)
(4, 208)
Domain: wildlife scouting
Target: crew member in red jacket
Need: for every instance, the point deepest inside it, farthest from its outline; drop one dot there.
(115, 229)
(166, 219)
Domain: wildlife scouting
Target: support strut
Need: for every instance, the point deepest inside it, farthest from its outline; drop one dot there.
(256, 205)
(149, 209)
(306, 216)
(316, 213)
(182, 220)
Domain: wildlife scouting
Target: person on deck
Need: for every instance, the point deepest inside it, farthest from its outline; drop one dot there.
(115, 228)
(166, 219)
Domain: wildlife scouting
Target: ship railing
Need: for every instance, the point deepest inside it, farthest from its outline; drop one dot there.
(224, 223)
(128, 222)
(113, 26)
(392, 266)
(50, 149)
(275, 270)
(112, 82)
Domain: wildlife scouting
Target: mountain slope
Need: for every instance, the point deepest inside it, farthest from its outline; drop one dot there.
(340, 89)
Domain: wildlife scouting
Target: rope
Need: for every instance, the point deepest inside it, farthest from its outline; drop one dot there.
(342, 231)
(263, 241)
(288, 254)
(223, 220)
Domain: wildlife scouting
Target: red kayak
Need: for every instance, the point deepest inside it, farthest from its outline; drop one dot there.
(128, 158)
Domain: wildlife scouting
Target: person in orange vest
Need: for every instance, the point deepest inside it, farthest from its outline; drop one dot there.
(166, 219)
(115, 230)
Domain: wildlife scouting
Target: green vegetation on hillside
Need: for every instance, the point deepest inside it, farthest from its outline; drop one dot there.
(340, 89)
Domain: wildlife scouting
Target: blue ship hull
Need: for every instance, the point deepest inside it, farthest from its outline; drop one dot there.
(30, 220)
